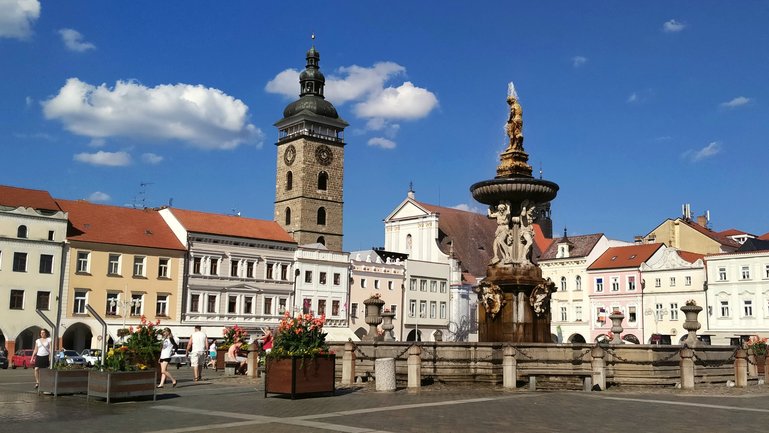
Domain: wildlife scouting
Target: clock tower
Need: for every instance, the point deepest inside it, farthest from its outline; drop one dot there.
(310, 174)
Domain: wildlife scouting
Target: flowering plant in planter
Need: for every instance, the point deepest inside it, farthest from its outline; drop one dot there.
(691, 303)
(301, 335)
(758, 344)
(231, 334)
(140, 351)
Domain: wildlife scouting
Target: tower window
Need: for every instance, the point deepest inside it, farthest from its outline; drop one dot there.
(21, 232)
(289, 181)
(321, 216)
(322, 181)
(288, 216)
(322, 241)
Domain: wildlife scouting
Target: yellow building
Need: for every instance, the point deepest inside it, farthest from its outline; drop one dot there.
(687, 235)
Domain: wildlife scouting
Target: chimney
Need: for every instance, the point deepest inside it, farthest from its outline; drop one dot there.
(638, 239)
(702, 221)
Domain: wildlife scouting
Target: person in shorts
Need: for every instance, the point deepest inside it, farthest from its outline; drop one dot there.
(197, 348)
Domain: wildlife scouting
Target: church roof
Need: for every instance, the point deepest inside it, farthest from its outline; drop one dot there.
(30, 198)
(230, 225)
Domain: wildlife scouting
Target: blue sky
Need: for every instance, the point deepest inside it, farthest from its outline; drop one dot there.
(632, 109)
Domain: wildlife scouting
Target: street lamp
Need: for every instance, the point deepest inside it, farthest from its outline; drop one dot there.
(124, 305)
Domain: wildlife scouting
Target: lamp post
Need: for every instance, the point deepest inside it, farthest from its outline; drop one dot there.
(297, 272)
(124, 304)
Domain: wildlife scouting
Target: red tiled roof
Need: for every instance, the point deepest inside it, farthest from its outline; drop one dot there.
(228, 225)
(582, 245)
(690, 256)
(764, 237)
(718, 237)
(732, 232)
(30, 198)
(630, 256)
(116, 225)
(540, 240)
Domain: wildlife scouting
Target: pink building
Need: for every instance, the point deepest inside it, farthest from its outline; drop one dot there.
(615, 284)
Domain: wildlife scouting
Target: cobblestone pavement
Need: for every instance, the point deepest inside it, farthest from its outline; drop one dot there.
(237, 404)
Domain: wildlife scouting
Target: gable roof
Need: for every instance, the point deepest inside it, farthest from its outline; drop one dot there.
(764, 237)
(30, 198)
(116, 225)
(734, 232)
(630, 256)
(752, 244)
(690, 257)
(582, 245)
(229, 225)
(718, 237)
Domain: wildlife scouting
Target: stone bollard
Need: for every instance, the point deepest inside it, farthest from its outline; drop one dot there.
(253, 363)
(348, 364)
(766, 371)
(687, 368)
(741, 368)
(415, 367)
(384, 368)
(616, 318)
(509, 368)
(598, 365)
(752, 367)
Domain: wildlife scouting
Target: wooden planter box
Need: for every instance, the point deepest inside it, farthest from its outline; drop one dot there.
(63, 381)
(220, 355)
(300, 376)
(121, 384)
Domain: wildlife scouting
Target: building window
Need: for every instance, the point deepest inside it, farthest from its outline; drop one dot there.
(724, 308)
(389, 285)
(563, 314)
(163, 267)
(745, 272)
(308, 276)
(234, 268)
(433, 309)
(563, 284)
(289, 181)
(578, 283)
(195, 303)
(284, 272)
(249, 269)
(321, 307)
(363, 283)
(408, 242)
(321, 240)
(674, 311)
(412, 308)
(578, 313)
(248, 305)
(267, 306)
(747, 307)
(413, 284)
(354, 309)
(321, 216)
(78, 307)
(214, 266)
(322, 277)
(112, 302)
(288, 216)
(443, 287)
(337, 279)
(197, 263)
(422, 309)
(335, 308)
(631, 283)
(51, 235)
(136, 304)
(46, 264)
(281, 305)
(721, 274)
(139, 262)
(632, 314)
(658, 282)
(376, 284)
(306, 305)
(270, 270)
(394, 308)
(21, 232)
(232, 304)
(161, 306)
(672, 281)
(83, 261)
(599, 284)
(688, 280)
(17, 300)
(113, 265)
(659, 312)
(43, 300)
(766, 271)
(422, 285)
(211, 304)
(433, 286)
(614, 284)
(322, 181)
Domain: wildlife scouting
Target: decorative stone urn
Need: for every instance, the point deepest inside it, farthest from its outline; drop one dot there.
(373, 317)
(387, 325)
(691, 324)
(616, 318)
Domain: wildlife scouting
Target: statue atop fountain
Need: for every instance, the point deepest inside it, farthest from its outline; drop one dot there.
(514, 297)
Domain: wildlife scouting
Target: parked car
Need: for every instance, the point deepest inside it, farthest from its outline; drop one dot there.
(3, 361)
(22, 358)
(91, 356)
(71, 357)
(180, 358)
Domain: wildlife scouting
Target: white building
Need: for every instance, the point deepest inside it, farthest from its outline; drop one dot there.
(377, 272)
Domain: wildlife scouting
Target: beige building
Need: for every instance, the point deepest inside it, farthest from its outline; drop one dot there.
(124, 263)
(33, 232)
(687, 235)
(377, 272)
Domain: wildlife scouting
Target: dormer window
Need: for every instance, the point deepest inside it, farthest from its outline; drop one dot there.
(563, 250)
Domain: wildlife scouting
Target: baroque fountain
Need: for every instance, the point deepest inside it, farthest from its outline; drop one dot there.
(514, 299)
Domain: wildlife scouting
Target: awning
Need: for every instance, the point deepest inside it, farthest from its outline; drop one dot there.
(340, 334)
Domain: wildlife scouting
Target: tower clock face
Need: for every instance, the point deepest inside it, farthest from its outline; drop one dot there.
(324, 155)
(290, 154)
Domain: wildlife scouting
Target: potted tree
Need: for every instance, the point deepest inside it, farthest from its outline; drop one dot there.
(300, 362)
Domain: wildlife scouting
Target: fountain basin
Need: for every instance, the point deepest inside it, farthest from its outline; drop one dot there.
(514, 190)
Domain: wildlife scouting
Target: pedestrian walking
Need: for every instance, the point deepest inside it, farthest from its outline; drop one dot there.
(197, 347)
(41, 355)
(166, 352)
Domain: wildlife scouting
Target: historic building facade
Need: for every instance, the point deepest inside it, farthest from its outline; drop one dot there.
(376, 272)
(33, 230)
(310, 164)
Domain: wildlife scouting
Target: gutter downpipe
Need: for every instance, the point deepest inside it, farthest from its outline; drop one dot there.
(62, 274)
(98, 318)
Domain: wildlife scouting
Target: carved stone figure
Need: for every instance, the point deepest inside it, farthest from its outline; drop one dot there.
(514, 126)
(527, 231)
(492, 298)
(502, 246)
(540, 297)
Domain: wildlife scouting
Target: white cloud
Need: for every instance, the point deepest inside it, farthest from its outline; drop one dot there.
(632, 98)
(736, 102)
(16, 18)
(73, 40)
(381, 142)
(109, 159)
(200, 116)
(361, 82)
(151, 158)
(97, 142)
(467, 208)
(578, 61)
(99, 196)
(672, 26)
(403, 102)
(285, 83)
(712, 149)
(28, 100)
